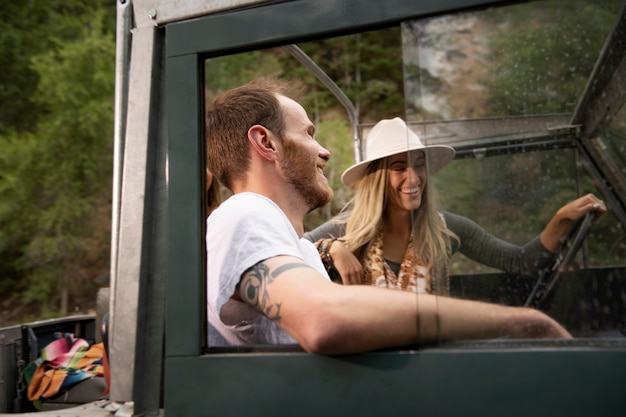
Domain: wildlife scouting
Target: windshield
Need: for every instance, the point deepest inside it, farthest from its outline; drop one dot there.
(489, 65)
(499, 86)
(502, 93)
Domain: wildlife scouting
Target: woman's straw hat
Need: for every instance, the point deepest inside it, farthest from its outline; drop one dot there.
(390, 137)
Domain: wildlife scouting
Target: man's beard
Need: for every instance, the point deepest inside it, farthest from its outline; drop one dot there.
(301, 171)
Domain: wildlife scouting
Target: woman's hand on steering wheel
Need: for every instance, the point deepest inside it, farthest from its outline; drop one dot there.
(576, 218)
(556, 229)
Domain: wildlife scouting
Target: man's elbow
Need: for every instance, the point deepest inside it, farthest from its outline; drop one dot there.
(323, 336)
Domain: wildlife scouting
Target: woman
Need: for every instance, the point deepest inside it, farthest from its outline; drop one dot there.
(393, 235)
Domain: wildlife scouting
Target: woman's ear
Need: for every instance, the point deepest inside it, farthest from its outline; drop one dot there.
(262, 141)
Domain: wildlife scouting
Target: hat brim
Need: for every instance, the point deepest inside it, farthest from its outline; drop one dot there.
(437, 156)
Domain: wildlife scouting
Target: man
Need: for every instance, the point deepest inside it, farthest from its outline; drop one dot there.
(265, 284)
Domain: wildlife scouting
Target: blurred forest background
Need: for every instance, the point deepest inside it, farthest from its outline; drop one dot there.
(56, 123)
(56, 135)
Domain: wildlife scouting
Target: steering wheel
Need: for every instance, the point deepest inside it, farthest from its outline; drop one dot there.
(576, 234)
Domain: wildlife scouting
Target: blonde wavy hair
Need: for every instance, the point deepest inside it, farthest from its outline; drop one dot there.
(364, 219)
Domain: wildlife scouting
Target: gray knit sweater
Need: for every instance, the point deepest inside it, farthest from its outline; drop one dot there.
(475, 243)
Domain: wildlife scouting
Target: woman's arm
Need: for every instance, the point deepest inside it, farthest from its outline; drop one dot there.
(479, 245)
(332, 229)
(343, 259)
(534, 256)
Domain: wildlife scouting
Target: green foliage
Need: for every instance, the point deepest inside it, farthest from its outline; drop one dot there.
(21, 33)
(31, 27)
(543, 66)
(231, 71)
(53, 177)
(366, 66)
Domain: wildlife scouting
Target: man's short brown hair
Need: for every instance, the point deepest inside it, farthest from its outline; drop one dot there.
(231, 115)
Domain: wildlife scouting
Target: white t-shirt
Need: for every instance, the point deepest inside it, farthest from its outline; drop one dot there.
(244, 230)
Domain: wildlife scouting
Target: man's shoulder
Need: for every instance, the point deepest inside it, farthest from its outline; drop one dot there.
(245, 203)
(246, 198)
(245, 209)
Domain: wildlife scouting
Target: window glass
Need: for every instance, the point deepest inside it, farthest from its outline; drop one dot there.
(615, 140)
(532, 58)
(367, 67)
(500, 85)
(496, 90)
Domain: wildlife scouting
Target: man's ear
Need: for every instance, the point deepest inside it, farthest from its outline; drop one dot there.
(262, 141)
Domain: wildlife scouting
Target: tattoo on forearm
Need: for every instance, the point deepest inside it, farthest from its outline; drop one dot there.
(254, 283)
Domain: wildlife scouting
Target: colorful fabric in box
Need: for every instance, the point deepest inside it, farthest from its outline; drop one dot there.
(65, 362)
